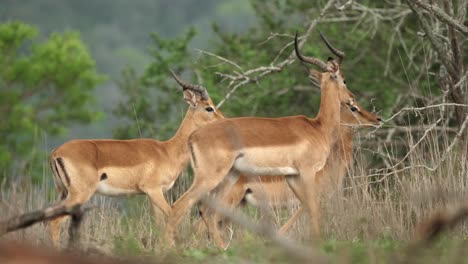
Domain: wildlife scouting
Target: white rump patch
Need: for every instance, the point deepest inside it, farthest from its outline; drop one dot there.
(109, 190)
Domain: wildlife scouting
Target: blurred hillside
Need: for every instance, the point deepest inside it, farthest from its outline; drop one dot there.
(397, 57)
(117, 33)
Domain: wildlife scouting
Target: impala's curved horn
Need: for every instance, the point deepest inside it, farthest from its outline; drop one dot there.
(323, 66)
(340, 54)
(187, 86)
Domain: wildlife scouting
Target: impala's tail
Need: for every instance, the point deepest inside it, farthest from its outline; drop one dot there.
(250, 198)
(55, 163)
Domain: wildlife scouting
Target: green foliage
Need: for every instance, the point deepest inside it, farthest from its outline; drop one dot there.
(372, 71)
(152, 99)
(43, 87)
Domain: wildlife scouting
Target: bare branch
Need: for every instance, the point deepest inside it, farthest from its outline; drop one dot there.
(462, 4)
(434, 9)
(220, 58)
(417, 109)
(243, 78)
(433, 168)
(438, 46)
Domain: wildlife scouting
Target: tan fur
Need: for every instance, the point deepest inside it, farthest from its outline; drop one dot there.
(273, 190)
(296, 142)
(119, 167)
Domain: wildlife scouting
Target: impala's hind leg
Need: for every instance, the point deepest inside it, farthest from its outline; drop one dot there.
(297, 186)
(74, 190)
(204, 182)
(160, 206)
(56, 224)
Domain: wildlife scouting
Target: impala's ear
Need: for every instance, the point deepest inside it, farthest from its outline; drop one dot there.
(316, 75)
(190, 98)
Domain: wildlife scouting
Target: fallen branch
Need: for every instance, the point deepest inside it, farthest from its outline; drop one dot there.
(441, 221)
(29, 219)
(306, 255)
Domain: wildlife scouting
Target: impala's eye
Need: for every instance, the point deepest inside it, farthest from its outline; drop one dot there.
(353, 108)
(209, 109)
(344, 81)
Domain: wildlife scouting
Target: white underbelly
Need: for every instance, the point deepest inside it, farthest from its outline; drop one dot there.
(109, 190)
(243, 165)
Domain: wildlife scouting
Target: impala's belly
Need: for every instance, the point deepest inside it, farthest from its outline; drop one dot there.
(266, 161)
(108, 189)
(115, 181)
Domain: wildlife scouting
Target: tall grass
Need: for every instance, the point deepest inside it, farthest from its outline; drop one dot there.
(384, 207)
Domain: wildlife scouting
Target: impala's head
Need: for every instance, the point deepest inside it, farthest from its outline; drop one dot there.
(356, 115)
(330, 74)
(200, 104)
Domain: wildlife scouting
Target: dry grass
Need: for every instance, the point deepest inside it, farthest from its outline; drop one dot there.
(384, 207)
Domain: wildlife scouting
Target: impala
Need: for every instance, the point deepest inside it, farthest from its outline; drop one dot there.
(273, 190)
(294, 146)
(122, 167)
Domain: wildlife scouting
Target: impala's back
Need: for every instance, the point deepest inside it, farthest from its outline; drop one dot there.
(122, 167)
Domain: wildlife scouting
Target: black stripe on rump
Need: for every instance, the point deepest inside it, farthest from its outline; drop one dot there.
(62, 166)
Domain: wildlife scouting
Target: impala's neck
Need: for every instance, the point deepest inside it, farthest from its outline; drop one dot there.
(177, 146)
(329, 113)
(347, 134)
(346, 143)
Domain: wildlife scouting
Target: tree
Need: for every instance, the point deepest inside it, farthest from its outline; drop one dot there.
(43, 88)
(287, 91)
(444, 30)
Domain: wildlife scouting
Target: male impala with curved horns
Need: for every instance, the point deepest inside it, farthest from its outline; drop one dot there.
(294, 146)
(119, 167)
(273, 190)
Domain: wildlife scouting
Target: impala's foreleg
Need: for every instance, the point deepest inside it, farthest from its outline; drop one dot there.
(212, 216)
(297, 186)
(159, 204)
(312, 196)
(304, 188)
